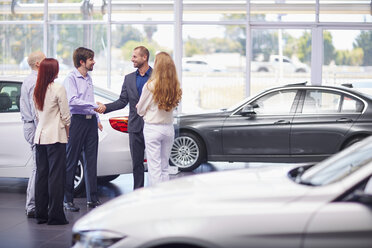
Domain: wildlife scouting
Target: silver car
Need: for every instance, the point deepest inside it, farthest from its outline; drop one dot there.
(15, 154)
(325, 205)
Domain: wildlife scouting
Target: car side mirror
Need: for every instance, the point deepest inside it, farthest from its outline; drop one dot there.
(249, 109)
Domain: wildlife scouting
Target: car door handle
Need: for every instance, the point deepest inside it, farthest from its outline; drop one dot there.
(344, 120)
(282, 122)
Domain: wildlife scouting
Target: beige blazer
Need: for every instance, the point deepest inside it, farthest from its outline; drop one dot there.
(54, 118)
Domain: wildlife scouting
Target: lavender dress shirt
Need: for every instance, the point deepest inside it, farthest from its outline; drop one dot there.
(80, 94)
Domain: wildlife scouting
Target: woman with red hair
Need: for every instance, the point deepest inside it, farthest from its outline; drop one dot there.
(51, 136)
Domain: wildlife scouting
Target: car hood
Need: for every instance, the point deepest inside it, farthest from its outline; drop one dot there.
(264, 188)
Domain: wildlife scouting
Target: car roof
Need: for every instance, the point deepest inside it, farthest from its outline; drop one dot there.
(18, 79)
(304, 86)
(105, 93)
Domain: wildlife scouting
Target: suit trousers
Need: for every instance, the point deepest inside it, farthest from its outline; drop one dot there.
(137, 150)
(50, 180)
(159, 141)
(29, 129)
(83, 140)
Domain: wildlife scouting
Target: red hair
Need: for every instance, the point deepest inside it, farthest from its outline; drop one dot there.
(48, 71)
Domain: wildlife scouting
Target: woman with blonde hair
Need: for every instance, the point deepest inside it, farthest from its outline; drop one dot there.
(51, 136)
(160, 95)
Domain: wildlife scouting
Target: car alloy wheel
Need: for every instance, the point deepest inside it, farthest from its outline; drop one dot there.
(187, 152)
(79, 178)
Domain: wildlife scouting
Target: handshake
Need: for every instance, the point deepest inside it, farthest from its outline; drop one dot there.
(101, 108)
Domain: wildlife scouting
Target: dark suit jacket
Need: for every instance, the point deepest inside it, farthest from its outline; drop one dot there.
(129, 94)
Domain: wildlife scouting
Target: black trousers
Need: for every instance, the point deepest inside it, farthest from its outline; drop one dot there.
(137, 150)
(50, 181)
(83, 140)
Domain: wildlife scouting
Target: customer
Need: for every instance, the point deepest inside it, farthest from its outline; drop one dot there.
(83, 130)
(130, 93)
(29, 123)
(160, 95)
(50, 139)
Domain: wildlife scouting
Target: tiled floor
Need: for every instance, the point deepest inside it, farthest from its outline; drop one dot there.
(17, 231)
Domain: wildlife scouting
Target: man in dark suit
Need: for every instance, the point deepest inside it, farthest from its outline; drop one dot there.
(130, 93)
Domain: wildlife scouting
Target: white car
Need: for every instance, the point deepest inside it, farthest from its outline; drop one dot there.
(326, 205)
(15, 154)
(196, 65)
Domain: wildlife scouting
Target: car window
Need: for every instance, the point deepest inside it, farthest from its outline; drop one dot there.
(318, 101)
(279, 102)
(351, 105)
(340, 165)
(10, 93)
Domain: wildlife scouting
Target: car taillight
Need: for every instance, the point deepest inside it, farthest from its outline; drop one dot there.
(119, 123)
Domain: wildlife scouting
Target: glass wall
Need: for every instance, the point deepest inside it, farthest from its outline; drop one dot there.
(347, 56)
(279, 56)
(64, 39)
(227, 50)
(126, 37)
(213, 67)
(16, 41)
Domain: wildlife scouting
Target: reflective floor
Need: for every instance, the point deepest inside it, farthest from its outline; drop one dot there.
(18, 231)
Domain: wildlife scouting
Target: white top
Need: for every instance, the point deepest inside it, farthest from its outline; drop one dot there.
(54, 118)
(150, 111)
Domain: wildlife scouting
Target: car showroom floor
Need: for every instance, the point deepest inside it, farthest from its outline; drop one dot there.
(18, 231)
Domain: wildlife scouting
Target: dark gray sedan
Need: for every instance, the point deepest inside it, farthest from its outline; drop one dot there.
(293, 123)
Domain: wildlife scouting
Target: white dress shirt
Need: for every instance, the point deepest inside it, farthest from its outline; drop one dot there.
(149, 109)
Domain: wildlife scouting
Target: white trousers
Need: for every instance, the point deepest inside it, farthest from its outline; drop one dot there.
(29, 133)
(158, 141)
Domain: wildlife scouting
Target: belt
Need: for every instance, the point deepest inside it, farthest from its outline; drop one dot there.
(88, 117)
(28, 121)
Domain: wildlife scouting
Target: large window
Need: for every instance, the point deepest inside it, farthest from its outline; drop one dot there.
(228, 50)
(279, 56)
(126, 37)
(347, 56)
(18, 40)
(213, 67)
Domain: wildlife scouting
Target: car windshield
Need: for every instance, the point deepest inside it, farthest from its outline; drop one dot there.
(340, 165)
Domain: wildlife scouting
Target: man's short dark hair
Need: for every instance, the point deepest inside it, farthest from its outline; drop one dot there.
(143, 51)
(82, 53)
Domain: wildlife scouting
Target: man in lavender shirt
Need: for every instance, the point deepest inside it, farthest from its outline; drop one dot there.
(83, 135)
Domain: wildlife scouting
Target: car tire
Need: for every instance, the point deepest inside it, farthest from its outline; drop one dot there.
(79, 178)
(107, 179)
(352, 142)
(188, 152)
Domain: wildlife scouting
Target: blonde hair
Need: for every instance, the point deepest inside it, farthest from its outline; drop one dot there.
(167, 90)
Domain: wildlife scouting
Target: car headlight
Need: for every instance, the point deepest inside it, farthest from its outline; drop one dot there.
(95, 238)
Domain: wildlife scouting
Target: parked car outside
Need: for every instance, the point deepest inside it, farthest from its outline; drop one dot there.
(197, 65)
(15, 154)
(293, 123)
(288, 66)
(325, 205)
